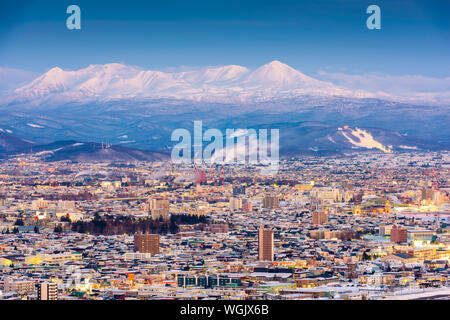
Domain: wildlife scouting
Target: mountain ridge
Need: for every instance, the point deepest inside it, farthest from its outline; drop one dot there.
(82, 151)
(119, 81)
(127, 105)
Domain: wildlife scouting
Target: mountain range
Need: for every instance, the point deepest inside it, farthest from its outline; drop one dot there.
(225, 84)
(127, 106)
(76, 151)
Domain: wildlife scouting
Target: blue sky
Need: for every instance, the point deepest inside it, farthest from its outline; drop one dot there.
(308, 35)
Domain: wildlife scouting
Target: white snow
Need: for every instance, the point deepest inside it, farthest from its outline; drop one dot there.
(408, 147)
(366, 140)
(34, 125)
(118, 81)
(5, 130)
(48, 152)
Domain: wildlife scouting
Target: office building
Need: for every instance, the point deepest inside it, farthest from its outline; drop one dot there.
(159, 208)
(146, 243)
(320, 217)
(270, 202)
(265, 244)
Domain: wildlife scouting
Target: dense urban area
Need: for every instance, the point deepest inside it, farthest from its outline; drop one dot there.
(359, 226)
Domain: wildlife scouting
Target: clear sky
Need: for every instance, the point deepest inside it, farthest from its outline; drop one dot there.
(308, 35)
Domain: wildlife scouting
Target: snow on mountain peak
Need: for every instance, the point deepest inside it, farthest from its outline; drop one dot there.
(55, 70)
(278, 74)
(215, 75)
(54, 80)
(117, 80)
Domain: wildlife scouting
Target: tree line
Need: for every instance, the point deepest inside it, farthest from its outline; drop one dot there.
(110, 225)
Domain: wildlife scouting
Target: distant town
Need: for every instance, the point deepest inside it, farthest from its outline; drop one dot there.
(361, 226)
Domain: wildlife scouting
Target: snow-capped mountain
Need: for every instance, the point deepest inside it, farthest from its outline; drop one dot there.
(279, 75)
(129, 106)
(227, 83)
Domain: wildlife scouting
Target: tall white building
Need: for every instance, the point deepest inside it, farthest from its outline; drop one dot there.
(235, 203)
(47, 291)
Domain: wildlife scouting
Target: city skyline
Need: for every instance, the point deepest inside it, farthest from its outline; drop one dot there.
(248, 152)
(374, 228)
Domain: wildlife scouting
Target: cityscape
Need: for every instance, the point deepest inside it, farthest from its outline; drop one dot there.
(224, 159)
(362, 226)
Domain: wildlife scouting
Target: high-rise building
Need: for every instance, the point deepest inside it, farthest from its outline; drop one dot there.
(265, 244)
(399, 234)
(235, 203)
(146, 243)
(159, 208)
(270, 202)
(320, 217)
(47, 291)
